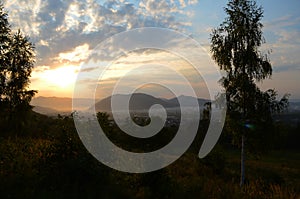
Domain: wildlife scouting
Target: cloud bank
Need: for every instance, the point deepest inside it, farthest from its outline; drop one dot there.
(61, 26)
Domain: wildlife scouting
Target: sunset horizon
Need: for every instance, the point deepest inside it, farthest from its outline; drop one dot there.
(65, 37)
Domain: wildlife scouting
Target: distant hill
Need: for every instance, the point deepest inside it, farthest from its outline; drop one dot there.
(59, 104)
(45, 111)
(140, 101)
(294, 106)
(54, 103)
(188, 100)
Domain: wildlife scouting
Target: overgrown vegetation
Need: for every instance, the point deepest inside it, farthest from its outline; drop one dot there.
(51, 162)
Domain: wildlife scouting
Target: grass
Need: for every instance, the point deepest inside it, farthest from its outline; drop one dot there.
(60, 167)
(35, 167)
(273, 175)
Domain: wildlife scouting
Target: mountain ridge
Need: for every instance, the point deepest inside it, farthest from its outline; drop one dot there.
(62, 105)
(138, 101)
(141, 101)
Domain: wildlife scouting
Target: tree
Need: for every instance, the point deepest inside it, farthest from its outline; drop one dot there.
(16, 64)
(4, 45)
(103, 119)
(235, 48)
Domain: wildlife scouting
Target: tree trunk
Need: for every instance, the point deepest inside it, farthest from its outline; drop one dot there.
(242, 182)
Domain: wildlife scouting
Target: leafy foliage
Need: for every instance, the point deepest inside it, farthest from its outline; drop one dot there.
(16, 63)
(235, 48)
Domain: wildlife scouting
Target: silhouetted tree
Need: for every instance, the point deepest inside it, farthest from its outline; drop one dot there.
(16, 63)
(5, 32)
(234, 47)
(104, 122)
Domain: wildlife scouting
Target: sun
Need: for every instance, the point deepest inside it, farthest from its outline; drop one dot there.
(62, 77)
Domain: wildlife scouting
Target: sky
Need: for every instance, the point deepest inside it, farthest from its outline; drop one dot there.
(85, 37)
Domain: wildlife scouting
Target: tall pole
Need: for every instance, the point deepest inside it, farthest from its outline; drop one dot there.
(242, 182)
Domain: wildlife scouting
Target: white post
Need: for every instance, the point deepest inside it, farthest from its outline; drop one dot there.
(242, 163)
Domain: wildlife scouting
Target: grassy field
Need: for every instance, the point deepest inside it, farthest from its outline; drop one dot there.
(50, 162)
(276, 171)
(60, 168)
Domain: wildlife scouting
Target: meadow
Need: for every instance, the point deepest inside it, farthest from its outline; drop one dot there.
(51, 162)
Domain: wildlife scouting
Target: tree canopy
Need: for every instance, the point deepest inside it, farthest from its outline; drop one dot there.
(17, 58)
(235, 48)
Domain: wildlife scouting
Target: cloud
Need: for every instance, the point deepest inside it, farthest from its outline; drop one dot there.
(284, 82)
(182, 3)
(66, 31)
(41, 69)
(154, 66)
(285, 43)
(282, 22)
(29, 11)
(57, 27)
(77, 55)
(289, 37)
(192, 2)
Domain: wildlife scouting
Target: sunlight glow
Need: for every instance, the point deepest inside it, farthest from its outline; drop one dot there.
(62, 77)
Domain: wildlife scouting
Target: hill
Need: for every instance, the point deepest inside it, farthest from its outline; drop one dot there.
(45, 111)
(58, 104)
(141, 101)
